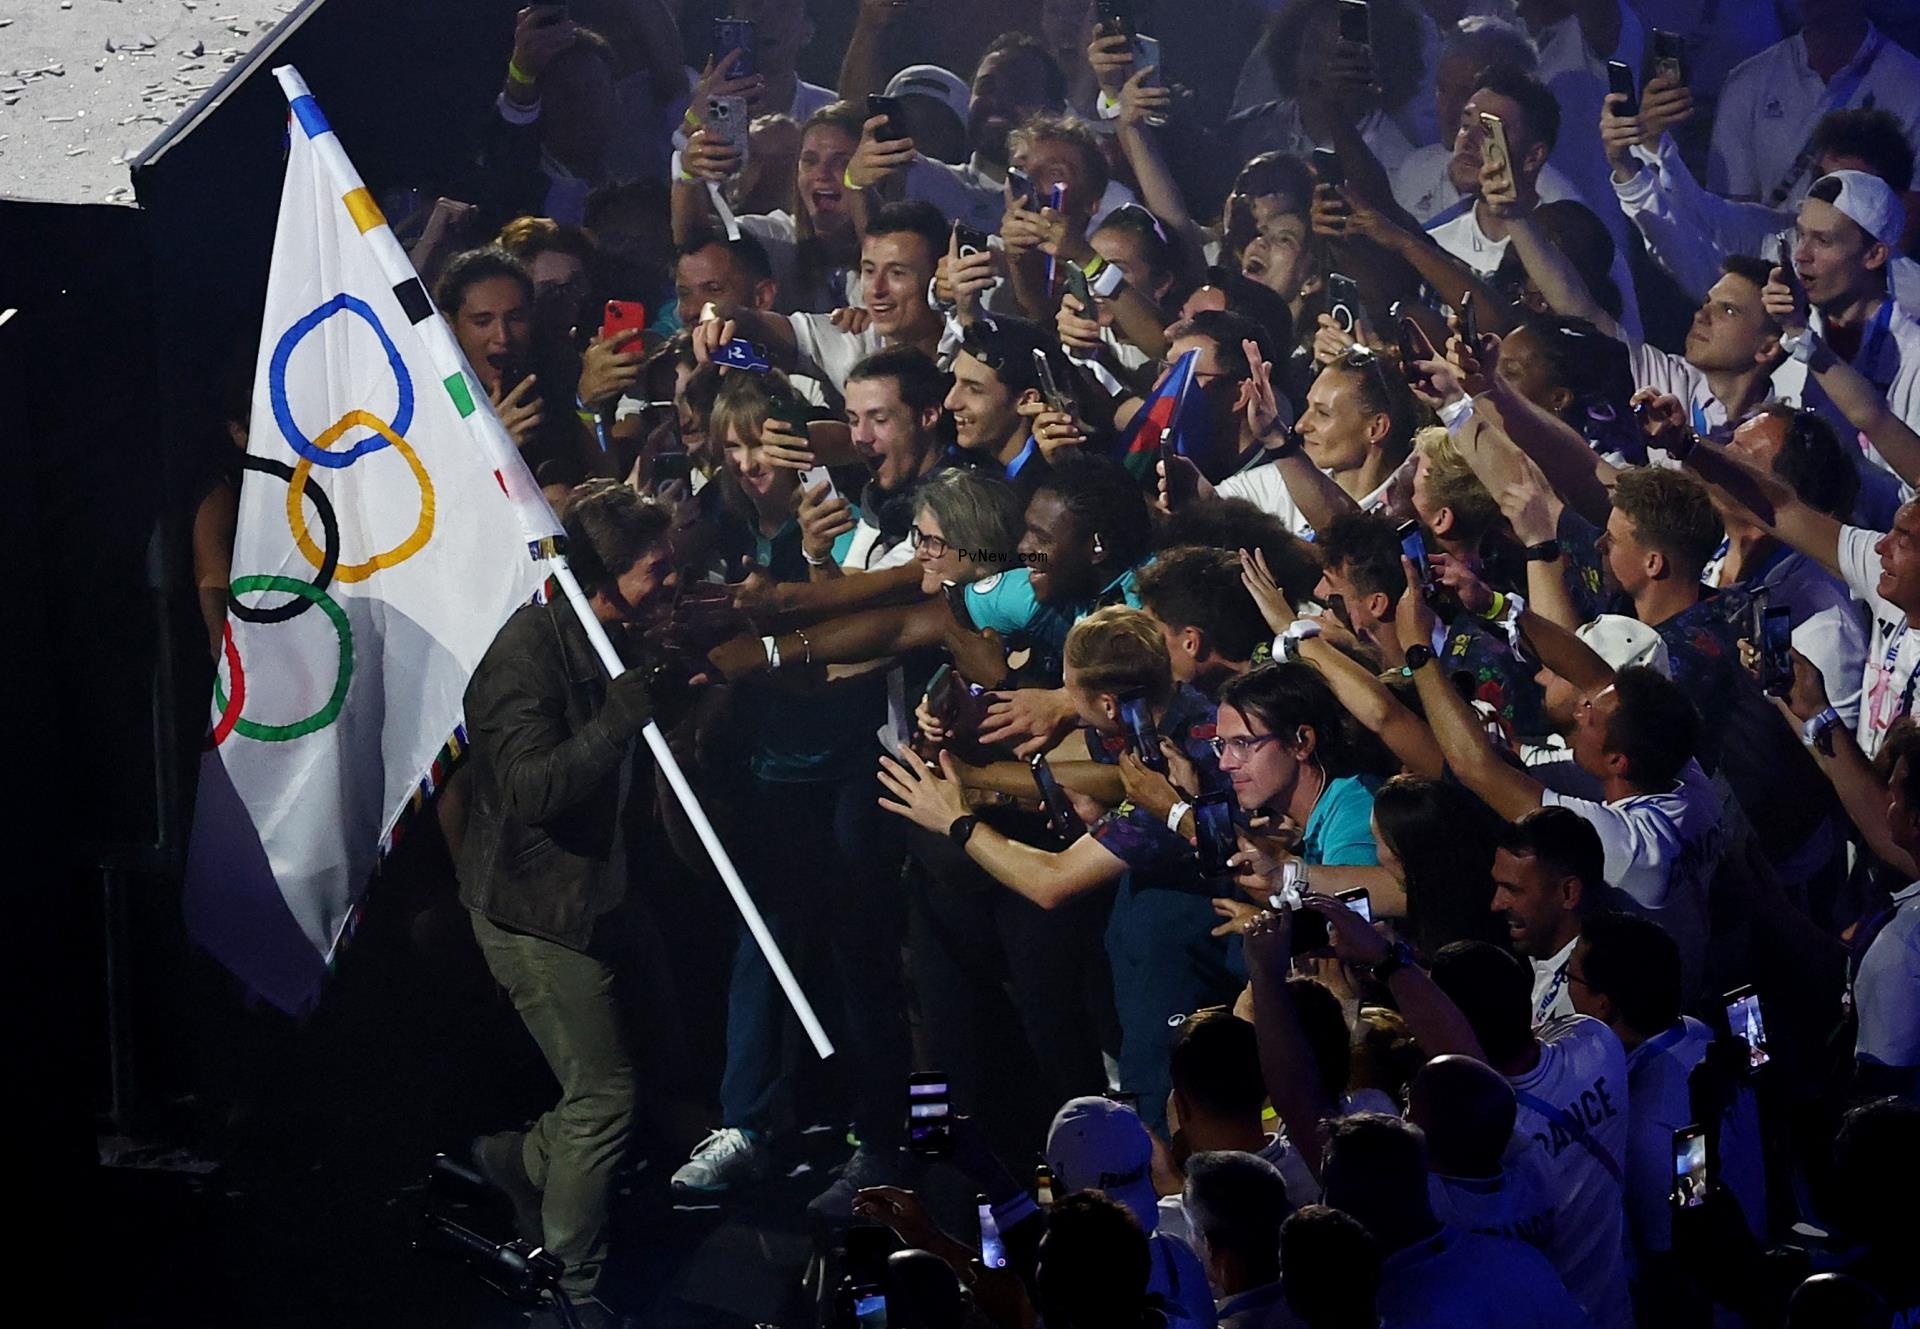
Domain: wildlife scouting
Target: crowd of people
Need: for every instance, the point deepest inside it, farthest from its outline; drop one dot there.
(1305, 616)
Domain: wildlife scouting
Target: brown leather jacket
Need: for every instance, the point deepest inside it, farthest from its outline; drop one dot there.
(545, 797)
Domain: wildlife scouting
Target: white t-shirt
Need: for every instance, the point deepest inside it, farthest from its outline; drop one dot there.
(1663, 371)
(1771, 103)
(1660, 1104)
(1582, 1078)
(976, 194)
(1893, 649)
(1422, 186)
(1302, 1188)
(1662, 850)
(1551, 995)
(1454, 1279)
(1886, 991)
(1265, 488)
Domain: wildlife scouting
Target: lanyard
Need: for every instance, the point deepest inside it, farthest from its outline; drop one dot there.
(1913, 675)
(1840, 93)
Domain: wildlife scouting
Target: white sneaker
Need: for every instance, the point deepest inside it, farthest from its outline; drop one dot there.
(729, 1157)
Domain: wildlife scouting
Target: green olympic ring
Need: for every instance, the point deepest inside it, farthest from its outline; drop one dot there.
(327, 714)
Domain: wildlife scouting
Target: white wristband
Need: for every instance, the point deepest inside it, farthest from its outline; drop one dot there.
(1106, 107)
(1811, 732)
(1177, 814)
(772, 648)
(1455, 412)
(1287, 644)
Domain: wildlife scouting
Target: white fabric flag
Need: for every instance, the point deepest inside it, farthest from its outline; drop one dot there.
(384, 536)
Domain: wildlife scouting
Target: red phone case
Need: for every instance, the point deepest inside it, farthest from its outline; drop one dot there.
(624, 319)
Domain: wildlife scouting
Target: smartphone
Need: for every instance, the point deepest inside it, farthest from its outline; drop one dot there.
(929, 1115)
(1022, 189)
(1493, 146)
(993, 1251)
(1743, 1018)
(1146, 55)
(1081, 290)
(1146, 736)
(1470, 323)
(1785, 241)
(1214, 832)
(741, 353)
(672, 466)
(957, 603)
(1311, 931)
(869, 1307)
(1690, 1178)
(939, 692)
(1620, 82)
(727, 119)
(1183, 481)
(1327, 169)
(623, 321)
(1050, 388)
(1669, 55)
(1413, 349)
(1413, 545)
(1355, 23)
(1357, 900)
(968, 241)
(1117, 18)
(1343, 294)
(1060, 814)
(1775, 640)
(735, 34)
(815, 476)
(896, 126)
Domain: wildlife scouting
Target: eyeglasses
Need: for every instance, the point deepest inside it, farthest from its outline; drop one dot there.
(934, 545)
(1241, 746)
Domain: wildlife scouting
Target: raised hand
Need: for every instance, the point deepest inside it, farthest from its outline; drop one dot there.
(520, 409)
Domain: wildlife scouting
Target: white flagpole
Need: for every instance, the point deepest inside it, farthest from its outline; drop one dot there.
(513, 476)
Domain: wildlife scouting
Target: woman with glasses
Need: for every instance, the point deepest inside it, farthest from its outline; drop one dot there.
(1160, 941)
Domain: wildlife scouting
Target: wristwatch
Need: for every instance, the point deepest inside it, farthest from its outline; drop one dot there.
(1547, 551)
(962, 829)
(1399, 956)
(1417, 655)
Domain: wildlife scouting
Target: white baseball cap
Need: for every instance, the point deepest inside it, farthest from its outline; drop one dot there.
(1097, 1144)
(943, 85)
(1870, 203)
(1624, 642)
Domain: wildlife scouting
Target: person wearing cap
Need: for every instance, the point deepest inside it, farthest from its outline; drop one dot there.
(934, 102)
(1098, 1144)
(1849, 227)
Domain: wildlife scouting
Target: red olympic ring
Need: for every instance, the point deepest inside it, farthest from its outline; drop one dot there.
(237, 676)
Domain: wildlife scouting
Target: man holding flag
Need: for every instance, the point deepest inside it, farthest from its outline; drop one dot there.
(544, 866)
(387, 530)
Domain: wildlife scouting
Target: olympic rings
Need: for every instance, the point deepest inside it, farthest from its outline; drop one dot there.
(312, 450)
(229, 710)
(329, 560)
(328, 712)
(400, 553)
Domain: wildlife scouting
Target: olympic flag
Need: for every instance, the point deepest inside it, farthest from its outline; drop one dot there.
(387, 529)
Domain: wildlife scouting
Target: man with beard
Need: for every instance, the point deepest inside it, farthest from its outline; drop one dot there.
(1548, 870)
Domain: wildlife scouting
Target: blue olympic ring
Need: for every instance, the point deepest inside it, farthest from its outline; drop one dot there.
(277, 384)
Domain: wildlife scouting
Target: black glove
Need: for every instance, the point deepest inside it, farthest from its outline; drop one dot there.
(629, 704)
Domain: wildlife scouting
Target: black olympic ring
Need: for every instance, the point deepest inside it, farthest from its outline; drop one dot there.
(330, 557)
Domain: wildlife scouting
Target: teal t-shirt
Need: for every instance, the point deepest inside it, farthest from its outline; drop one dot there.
(1005, 603)
(1340, 829)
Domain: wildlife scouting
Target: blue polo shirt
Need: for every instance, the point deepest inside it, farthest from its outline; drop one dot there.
(1339, 830)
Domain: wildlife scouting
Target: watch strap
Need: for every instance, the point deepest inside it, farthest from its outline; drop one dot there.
(962, 828)
(1547, 551)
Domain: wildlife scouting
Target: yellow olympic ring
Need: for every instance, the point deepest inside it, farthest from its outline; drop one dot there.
(400, 553)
